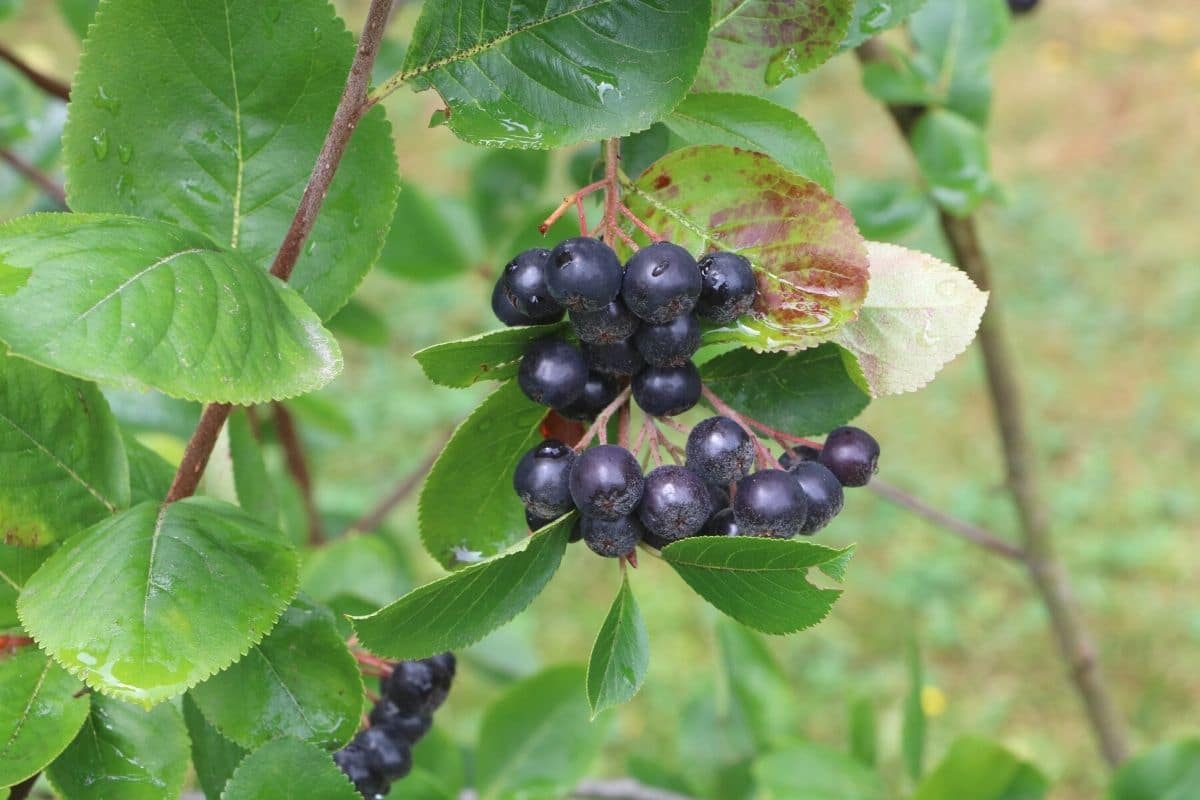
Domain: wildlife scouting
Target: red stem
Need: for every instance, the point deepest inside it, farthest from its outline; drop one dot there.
(765, 459)
(599, 428)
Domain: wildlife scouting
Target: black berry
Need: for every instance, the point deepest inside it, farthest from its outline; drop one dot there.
(728, 287)
(800, 453)
(718, 496)
(721, 523)
(851, 454)
(654, 540)
(662, 282)
(583, 274)
(598, 392)
(670, 344)
(503, 308)
(606, 482)
(667, 391)
(1022, 6)
(769, 503)
(411, 686)
(444, 667)
(675, 504)
(535, 522)
(720, 450)
(552, 373)
(406, 727)
(620, 359)
(389, 757)
(576, 532)
(525, 286)
(541, 479)
(353, 761)
(824, 493)
(612, 537)
(613, 323)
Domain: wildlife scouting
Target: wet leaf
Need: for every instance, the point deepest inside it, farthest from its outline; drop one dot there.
(39, 713)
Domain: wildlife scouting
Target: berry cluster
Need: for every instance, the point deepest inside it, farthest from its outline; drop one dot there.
(382, 752)
(713, 493)
(638, 323)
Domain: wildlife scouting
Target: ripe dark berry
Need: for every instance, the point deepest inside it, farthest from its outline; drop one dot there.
(598, 392)
(612, 537)
(823, 491)
(606, 482)
(798, 454)
(851, 454)
(661, 282)
(729, 287)
(613, 323)
(654, 540)
(444, 667)
(552, 373)
(718, 496)
(1022, 6)
(353, 761)
(535, 522)
(720, 450)
(390, 758)
(503, 308)
(769, 503)
(525, 286)
(667, 391)
(620, 359)
(576, 532)
(402, 726)
(410, 686)
(722, 523)
(675, 504)
(541, 479)
(583, 274)
(670, 344)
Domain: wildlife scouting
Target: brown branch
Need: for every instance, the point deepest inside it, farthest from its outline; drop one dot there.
(35, 176)
(22, 789)
(375, 517)
(297, 465)
(51, 86)
(353, 104)
(967, 530)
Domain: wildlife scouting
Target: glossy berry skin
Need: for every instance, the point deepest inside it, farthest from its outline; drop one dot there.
(851, 454)
(606, 482)
(720, 450)
(667, 391)
(721, 523)
(353, 762)
(411, 686)
(661, 282)
(728, 289)
(620, 359)
(410, 728)
(675, 504)
(671, 344)
(541, 478)
(824, 493)
(552, 373)
(385, 755)
(769, 503)
(525, 286)
(503, 308)
(798, 454)
(598, 392)
(613, 323)
(611, 537)
(444, 667)
(583, 274)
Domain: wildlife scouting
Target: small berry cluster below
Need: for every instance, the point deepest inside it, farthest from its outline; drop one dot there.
(382, 752)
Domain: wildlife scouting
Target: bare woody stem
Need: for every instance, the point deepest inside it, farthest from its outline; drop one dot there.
(599, 428)
(51, 86)
(35, 176)
(297, 465)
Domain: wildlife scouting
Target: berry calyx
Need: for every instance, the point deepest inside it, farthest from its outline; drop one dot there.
(661, 282)
(851, 454)
(769, 503)
(619, 359)
(583, 274)
(541, 479)
(667, 391)
(675, 503)
(598, 391)
(606, 482)
(720, 450)
(823, 491)
(504, 309)
(524, 284)
(611, 538)
(552, 373)
(671, 344)
(613, 323)
(728, 289)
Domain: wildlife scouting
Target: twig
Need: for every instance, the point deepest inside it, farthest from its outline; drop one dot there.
(765, 459)
(642, 226)
(35, 176)
(51, 86)
(199, 449)
(297, 465)
(375, 517)
(623, 415)
(599, 428)
(612, 192)
(967, 530)
(675, 450)
(573, 199)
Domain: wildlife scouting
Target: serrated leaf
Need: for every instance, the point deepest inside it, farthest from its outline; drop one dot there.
(810, 261)
(463, 607)
(78, 14)
(758, 689)
(1169, 771)
(150, 474)
(873, 17)
(224, 137)
(39, 713)
(550, 75)
(805, 393)
(288, 769)
(301, 681)
(422, 244)
(621, 654)
(491, 356)
(214, 757)
(456, 532)
(813, 772)
(983, 770)
(154, 600)
(912, 727)
(252, 482)
(920, 314)
(139, 303)
(761, 583)
(61, 455)
(17, 564)
(953, 155)
(954, 42)
(521, 752)
(124, 752)
(755, 44)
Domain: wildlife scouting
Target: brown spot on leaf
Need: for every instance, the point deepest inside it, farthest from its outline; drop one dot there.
(662, 181)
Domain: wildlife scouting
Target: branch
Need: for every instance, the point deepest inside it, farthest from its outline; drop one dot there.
(297, 465)
(22, 789)
(353, 104)
(967, 530)
(35, 176)
(407, 485)
(51, 86)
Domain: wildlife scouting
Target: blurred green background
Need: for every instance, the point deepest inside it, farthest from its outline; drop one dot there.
(1096, 141)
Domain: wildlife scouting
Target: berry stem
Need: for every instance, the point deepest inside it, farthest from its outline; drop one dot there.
(642, 226)
(573, 199)
(675, 450)
(599, 428)
(784, 439)
(765, 459)
(623, 415)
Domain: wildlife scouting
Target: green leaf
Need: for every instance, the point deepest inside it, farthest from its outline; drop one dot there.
(759, 690)
(457, 532)
(873, 17)
(812, 772)
(225, 135)
(10, 7)
(17, 564)
(150, 474)
(886, 210)
(920, 314)
(61, 455)
(463, 607)
(810, 260)
(288, 769)
(953, 155)
(621, 654)
(982, 770)
(521, 752)
(491, 356)
(139, 303)
(359, 322)
(547, 76)
(955, 41)
(422, 244)
(152, 601)
(754, 44)
(124, 752)
(641, 149)
(20, 105)
(863, 729)
(899, 84)
(354, 574)
(255, 491)
(759, 582)
(78, 14)
(752, 123)
(912, 728)
(1170, 771)
(301, 681)
(213, 756)
(39, 713)
(805, 393)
